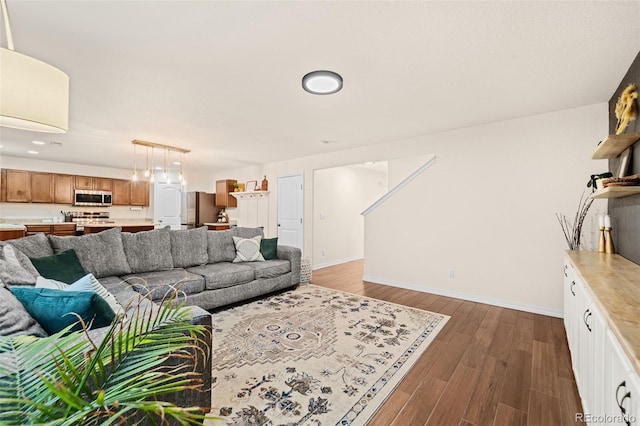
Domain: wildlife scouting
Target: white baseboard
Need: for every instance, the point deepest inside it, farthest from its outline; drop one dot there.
(336, 262)
(465, 296)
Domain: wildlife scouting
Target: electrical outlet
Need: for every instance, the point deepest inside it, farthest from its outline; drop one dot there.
(323, 252)
(452, 273)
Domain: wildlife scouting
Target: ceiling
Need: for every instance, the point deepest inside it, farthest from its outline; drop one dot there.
(223, 78)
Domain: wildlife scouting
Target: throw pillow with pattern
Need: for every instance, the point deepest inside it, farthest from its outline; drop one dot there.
(248, 249)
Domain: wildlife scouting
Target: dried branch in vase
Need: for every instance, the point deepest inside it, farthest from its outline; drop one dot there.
(573, 231)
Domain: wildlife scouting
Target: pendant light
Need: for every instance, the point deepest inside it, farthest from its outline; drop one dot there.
(166, 161)
(147, 172)
(33, 95)
(134, 177)
(153, 162)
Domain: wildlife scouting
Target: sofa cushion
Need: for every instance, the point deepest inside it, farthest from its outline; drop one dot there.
(269, 248)
(248, 249)
(189, 247)
(220, 247)
(22, 258)
(37, 245)
(148, 251)
(224, 274)
(157, 285)
(11, 271)
(86, 283)
(65, 266)
(270, 268)
(242, 232)
(14, 318)
(57, 309)
(102, 254)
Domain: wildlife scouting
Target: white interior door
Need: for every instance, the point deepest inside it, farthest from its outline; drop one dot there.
(290, 211)
(167, 204)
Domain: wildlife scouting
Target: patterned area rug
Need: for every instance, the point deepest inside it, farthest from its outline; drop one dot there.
(313, 356)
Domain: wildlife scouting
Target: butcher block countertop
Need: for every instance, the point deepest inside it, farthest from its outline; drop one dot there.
(614, 283)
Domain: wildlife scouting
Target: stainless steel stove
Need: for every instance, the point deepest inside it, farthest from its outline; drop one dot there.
(84, 218)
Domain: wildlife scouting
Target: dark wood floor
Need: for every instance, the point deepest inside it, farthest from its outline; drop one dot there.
(488, 366)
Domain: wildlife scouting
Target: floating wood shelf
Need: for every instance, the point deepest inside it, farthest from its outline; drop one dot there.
(613, 145)
(616, 192)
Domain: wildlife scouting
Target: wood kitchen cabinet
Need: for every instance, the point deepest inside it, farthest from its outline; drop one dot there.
(223, 190)
(121, 192)
(41, 187)
(94, 183)
(63, 189)
(61, 229)
(16, 186)
(139, 193)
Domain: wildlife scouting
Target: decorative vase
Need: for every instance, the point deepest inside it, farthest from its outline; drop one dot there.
(265, 184)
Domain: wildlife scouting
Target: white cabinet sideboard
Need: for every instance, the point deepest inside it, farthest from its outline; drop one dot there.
(601, 303)
(253, 209)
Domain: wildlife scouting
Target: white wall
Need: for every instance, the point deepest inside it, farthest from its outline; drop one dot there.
(486, 209)
(340, 194)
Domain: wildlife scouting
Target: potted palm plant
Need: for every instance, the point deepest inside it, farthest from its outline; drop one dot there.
(68, 379)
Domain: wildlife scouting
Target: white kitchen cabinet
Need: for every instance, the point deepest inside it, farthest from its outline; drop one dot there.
(621, 386)
(607, 381)
(253, 209)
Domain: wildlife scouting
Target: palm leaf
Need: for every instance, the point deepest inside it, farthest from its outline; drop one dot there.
(66, 379)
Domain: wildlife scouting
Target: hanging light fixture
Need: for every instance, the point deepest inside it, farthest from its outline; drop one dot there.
(135, 168)
(166, 160)
(33, 95)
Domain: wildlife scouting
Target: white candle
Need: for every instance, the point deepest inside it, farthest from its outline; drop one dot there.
(601, 221)
(607, 221)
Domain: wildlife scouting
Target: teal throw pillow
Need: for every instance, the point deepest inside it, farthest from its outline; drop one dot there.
(65, 267)
(55, 309)
(269, 248)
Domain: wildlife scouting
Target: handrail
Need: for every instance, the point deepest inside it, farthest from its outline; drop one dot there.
(399, 186)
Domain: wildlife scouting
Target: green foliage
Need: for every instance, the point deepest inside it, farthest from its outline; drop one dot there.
(67, 379)
(592, 180)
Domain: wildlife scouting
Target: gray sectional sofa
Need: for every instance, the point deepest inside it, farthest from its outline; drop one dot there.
(198, 263)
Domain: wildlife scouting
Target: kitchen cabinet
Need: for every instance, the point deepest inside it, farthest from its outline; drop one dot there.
(121, 192)
(41, 187)
(600, 291)
(61, 229)
(139, 193)
(11, 234)
(92, 229)
(93, 183)
(63, 189)
(224, 188)
(16, 186)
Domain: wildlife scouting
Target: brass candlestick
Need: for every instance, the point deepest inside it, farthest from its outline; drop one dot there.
(601, 242)
(608, 246)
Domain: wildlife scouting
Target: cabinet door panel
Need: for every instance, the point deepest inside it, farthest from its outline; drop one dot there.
(619, 384)
(41, 187)
(102, 184)
(17, 186)
(139, 193)
(84, 182)
(63, 189)
(121, 192)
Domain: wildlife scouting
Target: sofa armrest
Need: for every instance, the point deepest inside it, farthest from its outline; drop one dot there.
(293, 255)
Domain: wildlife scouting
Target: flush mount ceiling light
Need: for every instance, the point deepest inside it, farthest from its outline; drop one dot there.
(33, 95)
(322, 82)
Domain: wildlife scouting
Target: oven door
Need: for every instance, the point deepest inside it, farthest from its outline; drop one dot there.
(87, 198)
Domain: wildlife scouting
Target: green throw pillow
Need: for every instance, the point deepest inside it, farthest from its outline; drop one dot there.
(54, 309)
(65, 267)
(269, 248)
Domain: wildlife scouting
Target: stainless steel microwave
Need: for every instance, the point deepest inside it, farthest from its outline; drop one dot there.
(91, 198)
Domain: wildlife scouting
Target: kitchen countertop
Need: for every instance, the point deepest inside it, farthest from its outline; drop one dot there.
(116, 223)
(615, 284)
(10, 226)
(217, 224)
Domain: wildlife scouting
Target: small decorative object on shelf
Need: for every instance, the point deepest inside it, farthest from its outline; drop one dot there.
(601, 240)
(632, 180)
(265, 184)
(593, 180)
(573, 231)
(236, 187)
(608, 239)
(626, 108)
(223, 217)
(251, 185)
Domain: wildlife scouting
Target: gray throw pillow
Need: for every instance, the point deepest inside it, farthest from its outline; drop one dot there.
(189, 247)
(11, 271)
(23, 259)
(148, 251)
(220, 247)
(247, 232)
(14, 318)
(101, 254)
(37, 245)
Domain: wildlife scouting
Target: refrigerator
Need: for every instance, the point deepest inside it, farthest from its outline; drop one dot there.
(198, 208)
